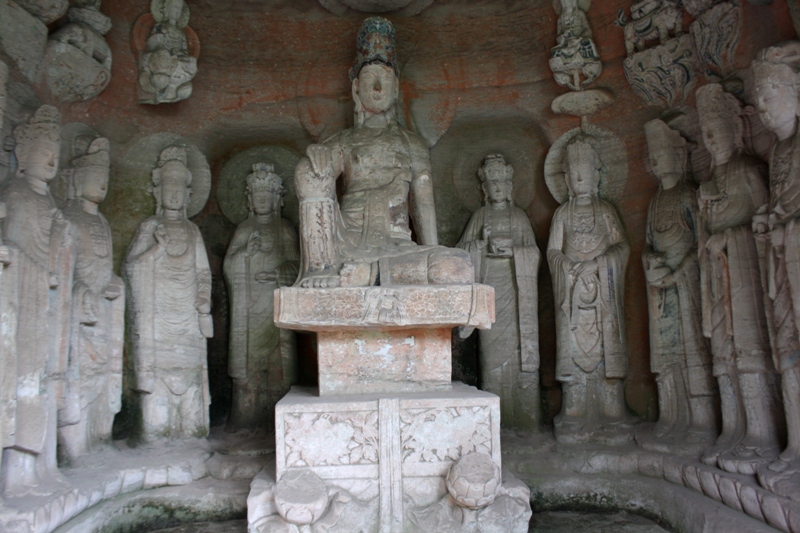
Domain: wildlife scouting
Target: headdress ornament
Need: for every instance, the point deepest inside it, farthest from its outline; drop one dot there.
(46, 122)
(264, 175)
(779, 64)
(97, 154)
(495, 159)
(713, 101)
(172, 154)
(376, 42)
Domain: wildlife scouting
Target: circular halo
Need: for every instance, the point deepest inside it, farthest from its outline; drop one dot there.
(469, 145)
(232, 181)
(59, 187)
(140, 160)
(612, 153)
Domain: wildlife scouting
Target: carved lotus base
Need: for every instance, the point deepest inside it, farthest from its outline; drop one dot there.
(384, 459)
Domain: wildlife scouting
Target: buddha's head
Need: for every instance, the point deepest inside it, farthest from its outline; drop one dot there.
(374, 75)
(264, 190)
(666, 151)
(720, 122)
(496, 178)
(90, 171)
(38, 145)
(582, 166)
(775, 73)
(172, 180)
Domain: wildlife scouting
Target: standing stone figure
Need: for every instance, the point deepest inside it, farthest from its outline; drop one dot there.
(365, 238)
(262, 256)
(40, 281)
(733, 300)
(166, 69)
(575, 54)
(170, 304)
(778, 223)
(500, 240)
(679, 354)
(94, 377)
(588, 254)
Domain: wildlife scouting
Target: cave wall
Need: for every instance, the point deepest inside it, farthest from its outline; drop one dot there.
(474, 80)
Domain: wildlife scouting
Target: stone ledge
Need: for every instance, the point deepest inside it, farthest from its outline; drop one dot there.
(106, 476)
(385, 307)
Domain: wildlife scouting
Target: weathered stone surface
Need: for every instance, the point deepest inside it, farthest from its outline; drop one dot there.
(665, 74)
(398, 307)
(574, 60)
(651, 20)
(23, 37)
(169, 282)
(716, 35)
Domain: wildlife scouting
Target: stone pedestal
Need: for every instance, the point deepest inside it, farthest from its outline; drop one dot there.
(372, 448)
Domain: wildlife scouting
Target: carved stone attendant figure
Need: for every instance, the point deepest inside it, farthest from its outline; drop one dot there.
(40, 243)
(733, 300)
(679, 354)
(588, 255)
(166, 69)
(94, 378)
(170, 293)
(778, 222)
(365, 238)
(262, 256)
(500, 240)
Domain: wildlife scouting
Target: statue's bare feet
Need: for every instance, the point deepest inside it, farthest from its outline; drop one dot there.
(323, 279)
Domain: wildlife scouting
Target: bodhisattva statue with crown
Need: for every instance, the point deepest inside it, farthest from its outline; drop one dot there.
(262, 256)
(364, 238)
(170, 304)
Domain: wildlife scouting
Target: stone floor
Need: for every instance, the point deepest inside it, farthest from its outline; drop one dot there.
(549, 522)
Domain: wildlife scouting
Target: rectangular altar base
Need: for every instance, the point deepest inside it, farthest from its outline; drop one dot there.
(392, 445)
(384, 339)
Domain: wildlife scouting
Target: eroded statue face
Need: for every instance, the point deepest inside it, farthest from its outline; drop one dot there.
(263, 200)
(94, 183)
(377, 87)
(172, 10)
(777, 104)
(174, 177)
(42, 160)
(719, 137)
(583, 177)
(664, 160)
(496, 184)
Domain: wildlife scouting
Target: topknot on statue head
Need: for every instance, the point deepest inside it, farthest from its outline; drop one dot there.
(44, 125)
(778, 65)
(173, 155)
(492, 161)
(264, 176)
(96, 154)
(375, 43)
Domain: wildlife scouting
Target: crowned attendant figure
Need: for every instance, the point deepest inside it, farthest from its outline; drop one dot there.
(169, 281)
(588, 254)
(733, 300)
(679, 354)
(364, 237)
(778, 223)
(39, 240)
(262, 257)
(94, 377)
(501, 243)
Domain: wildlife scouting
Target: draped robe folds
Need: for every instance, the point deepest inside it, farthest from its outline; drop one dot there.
(509, 351)
(261, 356)
(676, 333)
(783, 262)
(733, 301)
(168, 343)
(603, 317)
(94, 378)
(40, 242)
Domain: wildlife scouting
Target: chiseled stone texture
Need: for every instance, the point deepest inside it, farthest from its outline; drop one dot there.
(384, 361)
(387, 307)
(23, 37)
